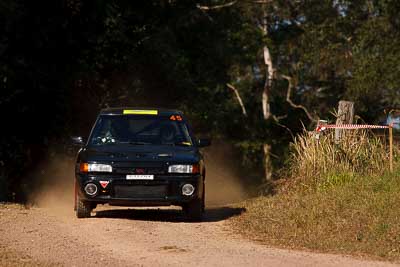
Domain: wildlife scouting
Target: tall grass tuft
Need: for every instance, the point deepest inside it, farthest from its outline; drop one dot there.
(316, 162)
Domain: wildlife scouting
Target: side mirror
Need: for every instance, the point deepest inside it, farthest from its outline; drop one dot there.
(203, 142)
(78, 140)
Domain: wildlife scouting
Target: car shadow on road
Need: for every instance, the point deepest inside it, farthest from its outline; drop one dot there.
(213, 214)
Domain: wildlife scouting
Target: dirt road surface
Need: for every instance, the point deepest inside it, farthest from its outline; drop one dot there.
(139, 237)
(49, 234)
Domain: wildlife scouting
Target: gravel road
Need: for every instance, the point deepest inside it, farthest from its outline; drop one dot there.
(139, 237)
(49, 234)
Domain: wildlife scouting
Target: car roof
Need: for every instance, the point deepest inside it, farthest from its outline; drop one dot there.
(139, 110)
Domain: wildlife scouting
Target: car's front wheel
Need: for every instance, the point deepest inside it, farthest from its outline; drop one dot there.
(194, 210)
(83, 208)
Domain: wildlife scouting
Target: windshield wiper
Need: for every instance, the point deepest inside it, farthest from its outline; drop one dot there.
(183, 144)
(178, 144)
(138, 143)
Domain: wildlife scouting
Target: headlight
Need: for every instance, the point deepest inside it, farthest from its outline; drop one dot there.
(184, 168)
(94, 167)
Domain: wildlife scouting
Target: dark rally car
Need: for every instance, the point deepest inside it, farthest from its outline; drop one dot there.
(140, 157)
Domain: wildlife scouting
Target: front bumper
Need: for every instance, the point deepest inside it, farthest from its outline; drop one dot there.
(164, 190)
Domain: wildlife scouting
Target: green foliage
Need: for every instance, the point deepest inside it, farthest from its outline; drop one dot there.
(56, 55)
(375, 71)
(336, 179)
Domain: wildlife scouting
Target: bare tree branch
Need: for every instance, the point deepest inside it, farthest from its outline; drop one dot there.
(262, 1)
(289, 100)
(231, 4)
(216, 7)
(277, 119)
(239, 99)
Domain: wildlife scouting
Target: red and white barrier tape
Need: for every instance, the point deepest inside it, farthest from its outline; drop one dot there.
(323, 127)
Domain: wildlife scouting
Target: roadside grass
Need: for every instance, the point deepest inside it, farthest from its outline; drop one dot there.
(342, 204)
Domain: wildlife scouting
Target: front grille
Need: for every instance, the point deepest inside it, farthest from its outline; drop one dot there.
(130, 170)
(140, 191)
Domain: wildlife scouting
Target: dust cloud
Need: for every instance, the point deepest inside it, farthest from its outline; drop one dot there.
(53, 188)
(223, 181)
(54, 185)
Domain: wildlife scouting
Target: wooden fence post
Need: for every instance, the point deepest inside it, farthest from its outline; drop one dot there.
(391, 147)
(345, 116)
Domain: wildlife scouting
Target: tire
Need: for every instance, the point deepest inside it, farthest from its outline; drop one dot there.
(83, 208)
(203, 206)
(194, 209)
(75, 194)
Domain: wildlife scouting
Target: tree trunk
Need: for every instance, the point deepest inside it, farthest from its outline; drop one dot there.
(269, 75)
(266, 94)
(267, 84)
(267, 162)
(345, 116)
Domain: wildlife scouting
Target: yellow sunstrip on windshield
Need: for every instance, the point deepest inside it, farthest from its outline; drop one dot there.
(140, 112)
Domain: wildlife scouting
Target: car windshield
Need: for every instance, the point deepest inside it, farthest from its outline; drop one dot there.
(140, 130)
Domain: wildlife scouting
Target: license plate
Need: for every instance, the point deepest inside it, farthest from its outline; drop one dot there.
(140, 177)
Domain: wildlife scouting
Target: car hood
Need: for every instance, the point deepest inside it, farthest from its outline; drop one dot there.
(118, 153)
